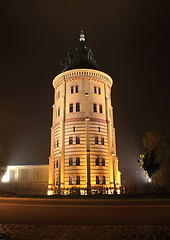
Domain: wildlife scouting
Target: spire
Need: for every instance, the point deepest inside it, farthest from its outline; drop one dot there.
(82, 37)
(82, 58)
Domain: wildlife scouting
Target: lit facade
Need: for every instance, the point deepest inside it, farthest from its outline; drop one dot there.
(83, 143)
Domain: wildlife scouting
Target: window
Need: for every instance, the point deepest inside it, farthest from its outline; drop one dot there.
(102, 141)
(103, 180)
(70, 140)
(78, 180)
(77, 161)
(99, 129)
(72, 89)
(77, 140)
(74, 129)
(100, 109)
(94, 107)
(58, 94)
(71, 107)
(95, 90)
(58, 111)
(56, 143)
(70, 180)
(96, 140)
(97, 161)
(77, 107)
(99, 91)
(103, 161)
(77, 89)
(70, 162)
(56, 164)
(97, 179)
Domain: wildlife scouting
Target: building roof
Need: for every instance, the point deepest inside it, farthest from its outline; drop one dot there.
(82, 58)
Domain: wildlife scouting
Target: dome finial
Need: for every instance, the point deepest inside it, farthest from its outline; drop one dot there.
(82, 37)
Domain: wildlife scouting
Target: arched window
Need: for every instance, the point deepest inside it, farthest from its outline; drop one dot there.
(72, 89)
(97, 161)
(103, 180)
(99, 129)
(70, 162)
(99, 91)
(96, 140)
(71, 107)
(78, 180)
(56, 163)
(95, 90)
(77, 107)
(77, 161)
(103, 161)
(100, 109)
(77, 140)
(77, 89)
(97, 180)
(74, 129)
(94, 107)
(58, 111)
(70, 180)
(102, 141)
(70, 140)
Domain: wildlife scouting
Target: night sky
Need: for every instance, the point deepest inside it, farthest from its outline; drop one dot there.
(130, 40)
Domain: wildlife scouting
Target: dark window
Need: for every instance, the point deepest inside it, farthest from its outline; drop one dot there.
(72, 89)
(103, 162)
(58, 111)
(56, 164)
(70, 140)
(100, 109)
(94, 107)
(96, 140)
(77, 107)
(70, 162)
(77, 161)
(58, 94)
(77, 89)
(71, 180)
(99, 92)
(97, 161)
(102, 141)
(71, 107)
(95, 90)
(78, 180)
(74, 129)
(97, 179)
(77, 140)
(99, 129)
(103, 180)
(57, 143)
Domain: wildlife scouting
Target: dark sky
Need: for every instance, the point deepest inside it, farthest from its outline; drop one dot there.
(130, 41)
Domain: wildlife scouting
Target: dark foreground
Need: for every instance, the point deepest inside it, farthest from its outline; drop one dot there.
(81, 232)
(76, 219)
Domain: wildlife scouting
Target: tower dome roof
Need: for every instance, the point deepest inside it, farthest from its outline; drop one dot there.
(82, 58)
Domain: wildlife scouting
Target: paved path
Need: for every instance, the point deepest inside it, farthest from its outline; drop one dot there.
(81, 232)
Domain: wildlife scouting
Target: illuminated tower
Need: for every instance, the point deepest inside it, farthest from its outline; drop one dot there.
(83, 145)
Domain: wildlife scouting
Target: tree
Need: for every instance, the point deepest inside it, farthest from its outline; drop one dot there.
(149, 162)
(155, 152)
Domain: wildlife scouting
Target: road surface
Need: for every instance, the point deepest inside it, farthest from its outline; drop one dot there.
(84, 212)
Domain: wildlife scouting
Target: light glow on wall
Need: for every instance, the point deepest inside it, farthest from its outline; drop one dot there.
(6, 176)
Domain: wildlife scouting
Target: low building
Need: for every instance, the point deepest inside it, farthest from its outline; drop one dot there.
(24, 179)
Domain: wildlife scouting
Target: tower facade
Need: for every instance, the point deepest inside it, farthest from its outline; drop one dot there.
(83, 144)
